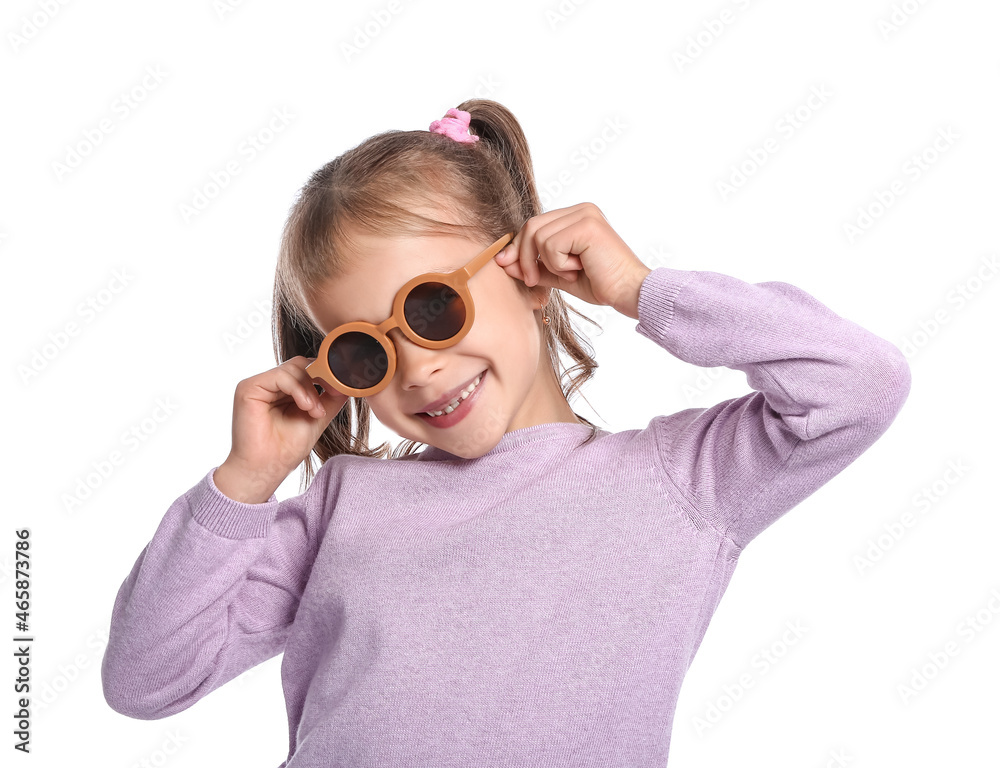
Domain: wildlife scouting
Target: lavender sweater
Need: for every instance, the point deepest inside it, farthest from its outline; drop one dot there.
(539, 605)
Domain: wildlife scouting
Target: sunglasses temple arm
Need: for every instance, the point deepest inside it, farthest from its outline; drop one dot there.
(315, 368)
(482, 259)
(315, 371)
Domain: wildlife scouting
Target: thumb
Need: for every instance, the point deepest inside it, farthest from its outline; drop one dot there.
(332, 402)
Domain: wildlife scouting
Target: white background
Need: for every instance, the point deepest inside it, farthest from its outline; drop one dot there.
(565, 70)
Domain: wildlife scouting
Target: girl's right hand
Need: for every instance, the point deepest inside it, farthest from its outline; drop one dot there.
(277, 419)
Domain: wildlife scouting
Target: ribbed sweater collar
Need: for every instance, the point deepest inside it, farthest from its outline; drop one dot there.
(518, 438)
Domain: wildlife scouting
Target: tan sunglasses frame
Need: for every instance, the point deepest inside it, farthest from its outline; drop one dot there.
(457, 280)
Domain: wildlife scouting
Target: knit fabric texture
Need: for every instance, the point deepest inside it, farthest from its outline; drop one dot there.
(536, 606)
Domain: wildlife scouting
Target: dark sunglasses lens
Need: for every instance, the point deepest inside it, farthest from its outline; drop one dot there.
(358, 360)
(434, 311)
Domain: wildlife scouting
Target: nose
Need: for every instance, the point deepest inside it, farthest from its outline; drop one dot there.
(414, 364)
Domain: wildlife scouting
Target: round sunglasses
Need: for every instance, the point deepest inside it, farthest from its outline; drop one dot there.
(433, 310)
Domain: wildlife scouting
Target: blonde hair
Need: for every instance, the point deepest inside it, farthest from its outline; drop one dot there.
(374, 188)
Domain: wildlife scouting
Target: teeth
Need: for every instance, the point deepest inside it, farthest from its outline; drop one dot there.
(454, 403)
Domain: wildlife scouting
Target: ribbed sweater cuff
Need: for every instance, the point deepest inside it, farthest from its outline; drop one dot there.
(227, 517)
(656, 300)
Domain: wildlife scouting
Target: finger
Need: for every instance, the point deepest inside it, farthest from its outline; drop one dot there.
(525, 253)
(554, 255)
(329, 401)
(298, 366)
(331, 398)
(529, 242)
(572, 264)
(296, 383)
(514, 270)
(507, 259)
(506, 254)
(560, 240)
(332, 403)
(528, 259)
(568, 271)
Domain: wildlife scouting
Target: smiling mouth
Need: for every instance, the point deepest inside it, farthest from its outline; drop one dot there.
(458, 400)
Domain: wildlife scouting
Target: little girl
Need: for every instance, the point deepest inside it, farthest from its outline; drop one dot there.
(529, 589)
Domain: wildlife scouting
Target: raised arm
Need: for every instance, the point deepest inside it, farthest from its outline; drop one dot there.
(826, 390)
(210, 596)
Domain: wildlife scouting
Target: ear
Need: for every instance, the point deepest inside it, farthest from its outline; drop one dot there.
(541, 296)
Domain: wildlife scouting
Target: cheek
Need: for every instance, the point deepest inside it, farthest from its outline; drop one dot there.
(384, 405)
(505, 329)
(502, 311)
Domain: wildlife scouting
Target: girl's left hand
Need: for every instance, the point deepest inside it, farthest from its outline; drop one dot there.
(575, 250)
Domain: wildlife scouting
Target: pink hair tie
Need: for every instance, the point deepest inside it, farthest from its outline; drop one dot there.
(455, 125)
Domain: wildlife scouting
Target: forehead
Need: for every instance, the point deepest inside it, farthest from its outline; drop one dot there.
(378, 268)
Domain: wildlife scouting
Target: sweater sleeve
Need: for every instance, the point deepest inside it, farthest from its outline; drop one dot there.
(825, 390)
(211, 595)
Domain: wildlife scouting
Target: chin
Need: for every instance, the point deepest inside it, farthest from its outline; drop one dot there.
(464, 448)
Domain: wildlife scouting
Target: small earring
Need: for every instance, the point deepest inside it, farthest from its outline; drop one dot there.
(545, 318)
